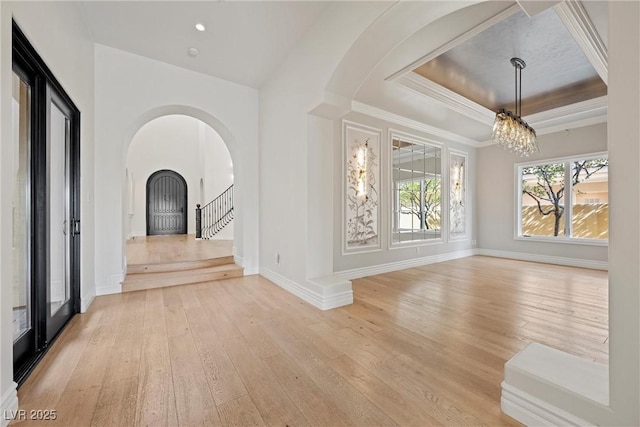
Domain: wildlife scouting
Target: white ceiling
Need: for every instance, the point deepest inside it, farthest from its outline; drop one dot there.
(244, 41)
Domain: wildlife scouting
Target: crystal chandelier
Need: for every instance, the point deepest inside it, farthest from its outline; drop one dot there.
(509, 130)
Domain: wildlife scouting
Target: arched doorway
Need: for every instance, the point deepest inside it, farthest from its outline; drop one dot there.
(184, 145)
(166, 203)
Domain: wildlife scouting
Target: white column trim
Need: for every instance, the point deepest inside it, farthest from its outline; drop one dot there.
(9, 404)
(324, 293)
(530, 411)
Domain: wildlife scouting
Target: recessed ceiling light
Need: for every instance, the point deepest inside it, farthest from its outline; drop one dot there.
(200, 27)
(193, 51)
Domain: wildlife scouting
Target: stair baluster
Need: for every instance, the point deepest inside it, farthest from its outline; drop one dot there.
(215, 215)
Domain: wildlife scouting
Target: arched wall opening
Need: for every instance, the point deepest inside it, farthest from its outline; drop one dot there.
(187, 146)
(236, 174)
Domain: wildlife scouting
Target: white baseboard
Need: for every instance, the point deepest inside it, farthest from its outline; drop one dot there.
(114, 286)
(357, 273)
(534, 412)
(238, 259)
(293, 287)
(324, 293)
(85, 302)
(251, 271)
(547, 259)
(9, 404)
(248, 269)
(108, 290)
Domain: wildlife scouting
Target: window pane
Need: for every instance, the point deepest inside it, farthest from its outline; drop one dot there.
(590, 198)
(21, 114)
(58, 157)
(416, 191)
(543, 200)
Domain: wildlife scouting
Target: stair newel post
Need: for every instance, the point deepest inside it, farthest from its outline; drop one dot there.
(198, 222)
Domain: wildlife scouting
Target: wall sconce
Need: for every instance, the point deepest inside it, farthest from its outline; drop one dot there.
(457, 186)
(361, 161)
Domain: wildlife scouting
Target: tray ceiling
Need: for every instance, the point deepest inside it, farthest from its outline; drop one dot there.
(557, 73)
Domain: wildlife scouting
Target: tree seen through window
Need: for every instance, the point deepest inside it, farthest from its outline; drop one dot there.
(545, 195)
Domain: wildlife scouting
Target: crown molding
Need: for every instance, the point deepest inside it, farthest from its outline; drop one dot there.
(456, 41)
(378, 113)
(570, 116)
(578, 23)
(446, 97)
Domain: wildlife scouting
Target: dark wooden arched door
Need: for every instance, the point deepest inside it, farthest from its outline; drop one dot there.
(166, 203)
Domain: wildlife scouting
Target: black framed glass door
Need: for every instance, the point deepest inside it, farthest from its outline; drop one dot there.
(62, 225)
(46, 206)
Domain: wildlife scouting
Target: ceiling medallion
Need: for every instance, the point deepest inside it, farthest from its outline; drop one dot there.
(509, 130)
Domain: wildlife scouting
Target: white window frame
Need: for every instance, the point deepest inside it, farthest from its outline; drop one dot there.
(568, 208)
(397, 200)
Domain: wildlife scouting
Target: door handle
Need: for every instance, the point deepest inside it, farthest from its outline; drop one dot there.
(64, 227)
(76, 227)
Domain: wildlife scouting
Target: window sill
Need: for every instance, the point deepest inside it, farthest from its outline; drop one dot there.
(564, 240)
(415, 243)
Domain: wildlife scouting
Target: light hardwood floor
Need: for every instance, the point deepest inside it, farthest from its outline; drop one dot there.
(162, 261)
(424, 346)
(175, 248)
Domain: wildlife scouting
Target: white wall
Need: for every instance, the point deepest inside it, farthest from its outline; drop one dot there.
(132, 90)
(287, 202)
(497, 194)
(58, 34)
(401, 254)
(187, 146)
